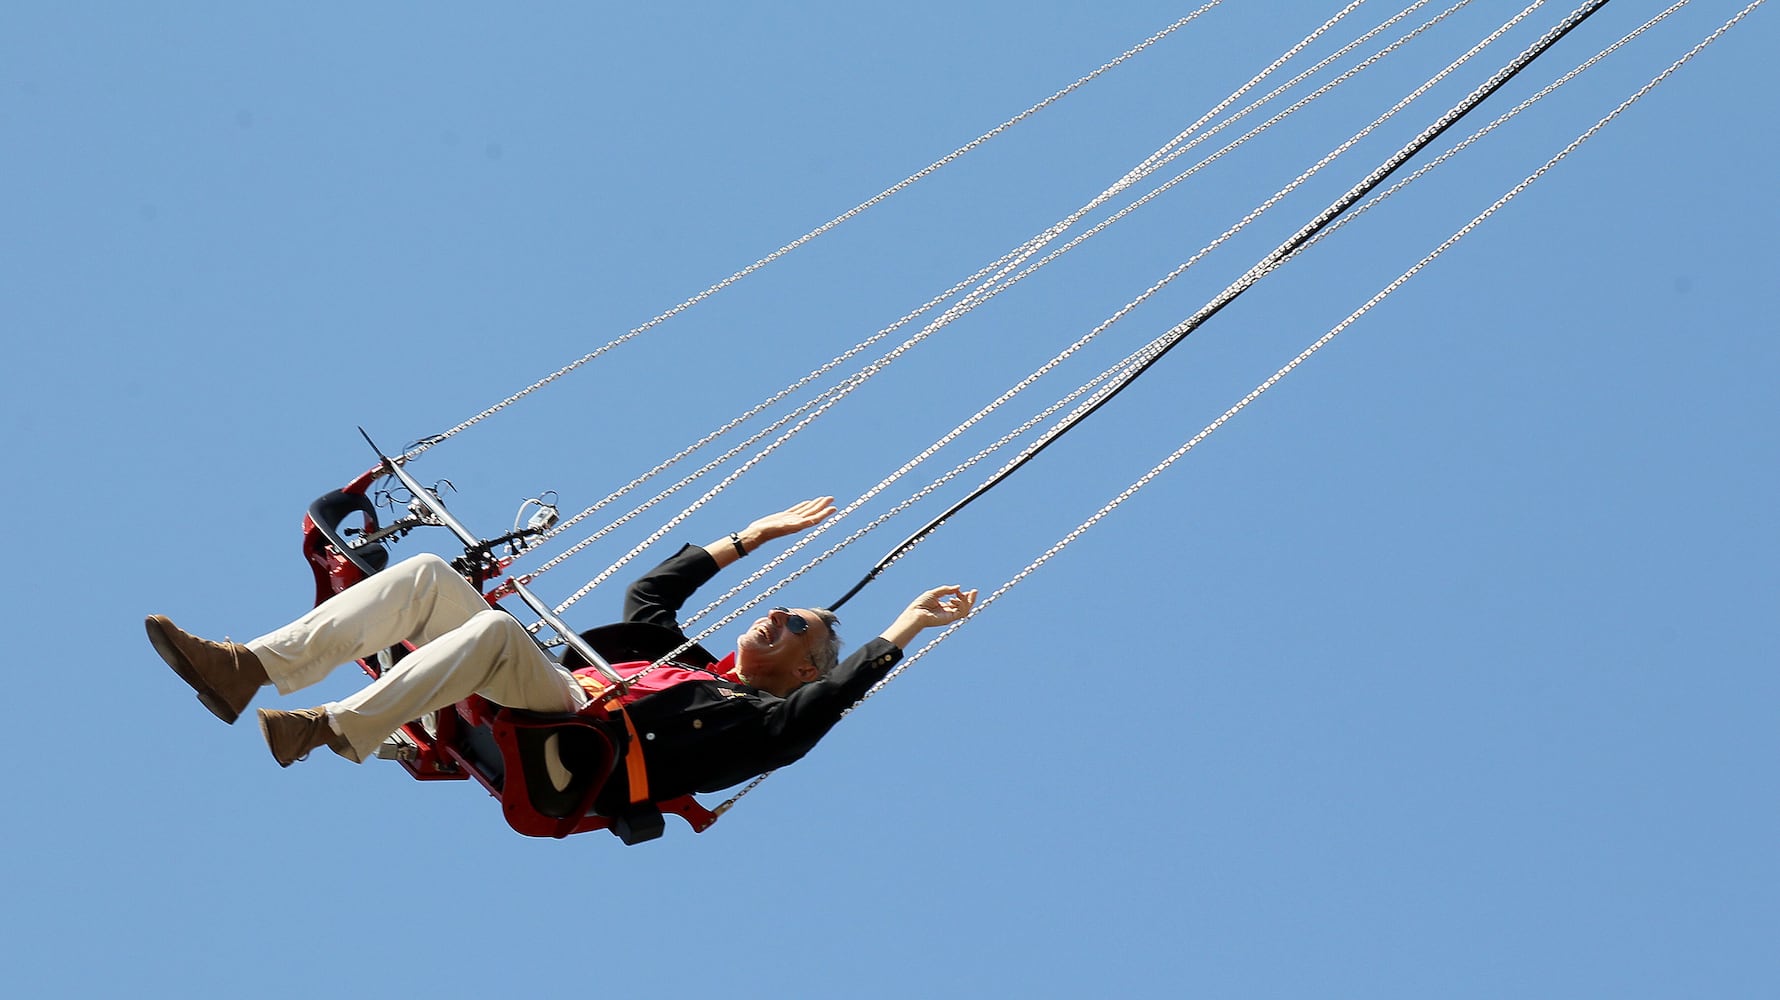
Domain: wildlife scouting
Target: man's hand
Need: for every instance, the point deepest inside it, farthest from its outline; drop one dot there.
(939, 606)
(790, 521)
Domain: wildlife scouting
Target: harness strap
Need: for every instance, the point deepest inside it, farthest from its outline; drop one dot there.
(633, 758)
(634, 768)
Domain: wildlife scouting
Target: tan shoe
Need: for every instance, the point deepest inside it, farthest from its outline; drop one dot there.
(225, 674)
(291, 735)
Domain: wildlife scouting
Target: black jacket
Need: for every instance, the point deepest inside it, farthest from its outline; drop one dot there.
(703, 736)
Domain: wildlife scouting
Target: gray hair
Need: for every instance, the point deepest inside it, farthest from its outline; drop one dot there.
(828, 655)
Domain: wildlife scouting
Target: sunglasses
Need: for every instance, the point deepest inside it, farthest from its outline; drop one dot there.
(797, 623)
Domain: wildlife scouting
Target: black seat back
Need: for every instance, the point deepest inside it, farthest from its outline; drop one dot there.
(329, 511)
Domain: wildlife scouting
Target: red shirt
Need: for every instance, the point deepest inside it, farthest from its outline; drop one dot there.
(659, 679)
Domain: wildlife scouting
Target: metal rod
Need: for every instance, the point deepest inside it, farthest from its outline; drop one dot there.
(436, 508)
(569, 636)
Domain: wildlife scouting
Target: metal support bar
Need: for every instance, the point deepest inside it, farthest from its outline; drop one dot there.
(569, 635)
(432, 503)
(472, 544)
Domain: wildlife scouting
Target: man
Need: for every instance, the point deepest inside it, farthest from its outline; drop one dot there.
(706, 725)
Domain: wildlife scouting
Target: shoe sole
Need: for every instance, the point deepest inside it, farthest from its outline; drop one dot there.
(211, 700)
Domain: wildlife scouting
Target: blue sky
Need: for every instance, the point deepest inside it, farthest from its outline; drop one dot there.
(1446, 669)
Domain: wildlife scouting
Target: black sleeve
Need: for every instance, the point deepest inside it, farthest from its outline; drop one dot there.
(797, 721)
(657, 597)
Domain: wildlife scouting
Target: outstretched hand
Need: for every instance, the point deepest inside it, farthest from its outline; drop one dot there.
(791, 520)
(939, 606)
(942, 606)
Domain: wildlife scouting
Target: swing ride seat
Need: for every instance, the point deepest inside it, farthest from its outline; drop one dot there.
(553, 768)
(546, 770)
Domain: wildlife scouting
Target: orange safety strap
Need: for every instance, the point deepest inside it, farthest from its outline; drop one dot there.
(633, 758)
(634, 768)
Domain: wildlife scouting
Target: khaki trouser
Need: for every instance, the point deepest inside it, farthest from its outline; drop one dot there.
(464, 648)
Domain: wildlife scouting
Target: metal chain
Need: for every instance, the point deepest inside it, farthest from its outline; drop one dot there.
(766, 404)
(563, 526)
(1359, 210)
(684, 481)
(1148, 166)
(1150, 163)
(1301, 103)
(977, 296)
(856, 210)
(970, 301)
(1440, 160)
(1276, 259)
(1143, 355)
(1140, 360)
(982, 293)
(1272, 380)
(1100, 384)
(746, 585)
(1252, 133)
(808, 536)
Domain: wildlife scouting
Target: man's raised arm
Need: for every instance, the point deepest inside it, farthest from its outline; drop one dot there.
(657, 597)
(789, 521)
(806, 714)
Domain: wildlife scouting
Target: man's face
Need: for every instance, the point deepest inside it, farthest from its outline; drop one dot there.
(773, 656)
